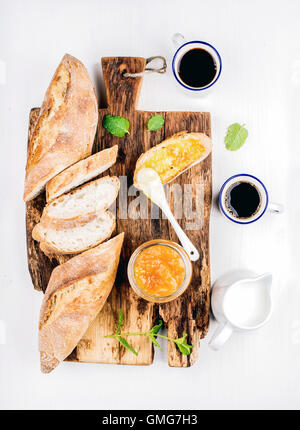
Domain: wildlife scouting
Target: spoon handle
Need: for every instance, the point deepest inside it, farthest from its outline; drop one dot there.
(185, 241)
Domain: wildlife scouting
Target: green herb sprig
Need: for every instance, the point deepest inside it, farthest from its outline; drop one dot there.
(152, 334)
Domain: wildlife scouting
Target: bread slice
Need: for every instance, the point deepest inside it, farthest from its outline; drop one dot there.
(81, 172)
(82, 203)
(76, 239)
(174, 155)
(66, 126)
(76, 293)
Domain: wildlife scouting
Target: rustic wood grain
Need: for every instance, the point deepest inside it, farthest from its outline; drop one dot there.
(190, 312)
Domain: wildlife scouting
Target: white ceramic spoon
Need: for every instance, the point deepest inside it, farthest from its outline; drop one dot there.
(150, 183)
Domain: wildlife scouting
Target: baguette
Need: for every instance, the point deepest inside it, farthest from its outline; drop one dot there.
(174, 155)
(81, 172)
(81, 204)
(66, 126)
(76, 293)
(77, 238)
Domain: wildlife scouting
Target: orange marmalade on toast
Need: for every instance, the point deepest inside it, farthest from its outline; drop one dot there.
(173, 158)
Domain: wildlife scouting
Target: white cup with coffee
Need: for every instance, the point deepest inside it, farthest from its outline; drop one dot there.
(196, 65)
(244, 199)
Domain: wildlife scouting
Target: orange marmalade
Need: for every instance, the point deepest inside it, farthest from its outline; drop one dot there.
(175, 157)
(159, 270)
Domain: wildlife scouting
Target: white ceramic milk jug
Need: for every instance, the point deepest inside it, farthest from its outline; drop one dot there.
(240, 301)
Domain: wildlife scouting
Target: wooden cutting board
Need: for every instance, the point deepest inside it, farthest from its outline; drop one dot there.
(190, 312)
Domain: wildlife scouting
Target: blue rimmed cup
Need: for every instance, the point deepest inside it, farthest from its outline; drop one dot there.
(182, 47)
(264, 204)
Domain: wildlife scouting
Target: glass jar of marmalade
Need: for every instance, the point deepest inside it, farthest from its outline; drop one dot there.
(159, 270)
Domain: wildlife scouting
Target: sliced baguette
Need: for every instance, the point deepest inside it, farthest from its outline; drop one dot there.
(174, 155)
(81, 204)
(81, 172)
(77, 239)
(66, 126)
(76, 293)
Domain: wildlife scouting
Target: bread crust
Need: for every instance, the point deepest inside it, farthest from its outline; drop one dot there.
(66, 127)
(170, 140)
(48, 222)
(50, 248)
(76, 293)
(81, 172)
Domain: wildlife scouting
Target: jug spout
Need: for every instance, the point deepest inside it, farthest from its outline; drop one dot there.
(266, 281)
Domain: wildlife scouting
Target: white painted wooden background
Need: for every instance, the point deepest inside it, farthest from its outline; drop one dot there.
(260, 86)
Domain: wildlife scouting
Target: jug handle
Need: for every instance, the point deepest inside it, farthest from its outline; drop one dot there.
(275, 208)
(220, 336)
(178, 39)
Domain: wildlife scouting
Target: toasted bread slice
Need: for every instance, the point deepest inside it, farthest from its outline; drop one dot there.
(81, 172)
(81, 204)
(66, 126)
(76, 293)
(174, 155)
(76, 239)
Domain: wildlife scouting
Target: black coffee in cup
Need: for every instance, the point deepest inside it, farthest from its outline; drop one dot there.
(197, 68)
(242, 200)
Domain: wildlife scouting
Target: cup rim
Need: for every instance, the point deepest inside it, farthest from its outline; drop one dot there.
(175, 74)
(221, 193)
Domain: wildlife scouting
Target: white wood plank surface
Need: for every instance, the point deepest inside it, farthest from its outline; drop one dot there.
(260, 86)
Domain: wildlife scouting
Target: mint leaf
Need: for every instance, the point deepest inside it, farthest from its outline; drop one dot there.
(120, 322)
(155, 329)
(183, 347)
(155, 123)
(126, 345)
(155, 343)
(235, 137)
(116, 125)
